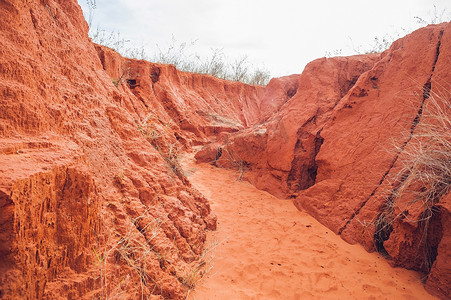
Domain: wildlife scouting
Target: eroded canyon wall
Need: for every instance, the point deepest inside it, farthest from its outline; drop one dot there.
(93, 202)
(338, 147)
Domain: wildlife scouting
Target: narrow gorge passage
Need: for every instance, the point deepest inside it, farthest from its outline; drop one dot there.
(267, 249)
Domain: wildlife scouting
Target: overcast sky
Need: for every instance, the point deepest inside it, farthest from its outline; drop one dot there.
(282, 35)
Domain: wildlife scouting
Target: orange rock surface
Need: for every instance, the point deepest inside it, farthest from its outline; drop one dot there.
(338, 144)
(198, 105)
(93, 203)
(281, 150)
(332, 147)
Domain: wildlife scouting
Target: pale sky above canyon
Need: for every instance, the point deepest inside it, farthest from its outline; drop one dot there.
(283, 36)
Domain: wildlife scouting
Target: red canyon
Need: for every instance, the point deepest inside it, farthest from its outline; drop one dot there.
(94, 201)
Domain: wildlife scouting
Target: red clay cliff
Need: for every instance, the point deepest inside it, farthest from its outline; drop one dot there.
(93, 201)
(337, 147)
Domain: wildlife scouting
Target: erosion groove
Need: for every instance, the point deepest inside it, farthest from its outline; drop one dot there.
(383, 233)
(304, 167)
(384, 220)
(384, 176)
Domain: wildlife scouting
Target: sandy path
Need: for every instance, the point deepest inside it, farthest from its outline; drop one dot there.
(270, 250)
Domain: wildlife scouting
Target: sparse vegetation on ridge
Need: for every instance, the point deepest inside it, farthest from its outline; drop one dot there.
(92, 5)
(183, 58)
(381, 43)
(217, 64)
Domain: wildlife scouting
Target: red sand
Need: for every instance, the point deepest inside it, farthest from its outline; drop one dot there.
(267, 249)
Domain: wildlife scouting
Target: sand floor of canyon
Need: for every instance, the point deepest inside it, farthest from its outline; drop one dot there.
(264, 248)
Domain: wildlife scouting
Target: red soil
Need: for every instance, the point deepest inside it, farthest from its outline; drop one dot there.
(264, 248)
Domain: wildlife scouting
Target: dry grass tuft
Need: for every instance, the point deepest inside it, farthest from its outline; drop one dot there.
(424, 176)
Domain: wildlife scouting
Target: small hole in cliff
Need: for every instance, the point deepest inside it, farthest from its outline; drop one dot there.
(384, 228)
(312, 172)
(427, 90)
(179, 138)
(363, 93)
(132, 83)
(162, 264)
(432, 230)
(291, 92)
(218, 153)
(155, 74)
(117, 256)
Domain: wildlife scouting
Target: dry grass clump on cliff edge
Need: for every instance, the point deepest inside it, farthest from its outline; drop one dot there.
(381, 43)
(217, 64)
(424, 175)
(429, 161)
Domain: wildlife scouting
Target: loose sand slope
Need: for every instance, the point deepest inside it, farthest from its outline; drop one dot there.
(269, 250)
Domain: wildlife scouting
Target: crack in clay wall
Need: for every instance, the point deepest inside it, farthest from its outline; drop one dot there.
(383, 229)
